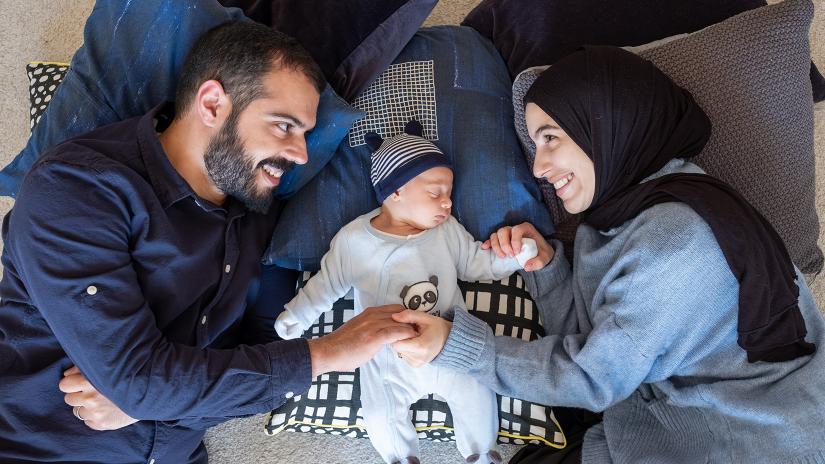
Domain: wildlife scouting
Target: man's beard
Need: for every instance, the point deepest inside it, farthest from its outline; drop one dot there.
(232, 169)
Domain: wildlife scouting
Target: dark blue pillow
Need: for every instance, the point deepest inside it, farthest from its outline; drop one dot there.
(352, 41)
(455, 83)
(333, 120)
(129, 63)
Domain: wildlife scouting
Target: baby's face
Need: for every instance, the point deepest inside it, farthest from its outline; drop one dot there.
(425, 200)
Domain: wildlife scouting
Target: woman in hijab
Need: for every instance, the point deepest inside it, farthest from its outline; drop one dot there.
(682, 318)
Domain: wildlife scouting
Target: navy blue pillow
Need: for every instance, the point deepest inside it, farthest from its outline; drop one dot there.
(455, 83)
(129, 63)
(332, 122)
(352, 40)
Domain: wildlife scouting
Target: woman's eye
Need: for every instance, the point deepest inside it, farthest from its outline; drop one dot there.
(549, 138)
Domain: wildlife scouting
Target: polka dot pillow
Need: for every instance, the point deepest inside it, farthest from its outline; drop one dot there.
(44, 77)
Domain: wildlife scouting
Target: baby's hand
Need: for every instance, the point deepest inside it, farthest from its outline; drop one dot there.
(288, 326)
(512, 242)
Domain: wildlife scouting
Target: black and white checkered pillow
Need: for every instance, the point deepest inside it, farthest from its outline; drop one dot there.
(43, 81)
(405, 91)
(333, 403)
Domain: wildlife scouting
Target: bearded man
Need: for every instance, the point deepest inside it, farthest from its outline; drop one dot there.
(128, 257)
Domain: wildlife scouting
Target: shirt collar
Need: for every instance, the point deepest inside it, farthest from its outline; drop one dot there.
(168, 184)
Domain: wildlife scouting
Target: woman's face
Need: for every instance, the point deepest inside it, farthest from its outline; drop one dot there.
(561, 161)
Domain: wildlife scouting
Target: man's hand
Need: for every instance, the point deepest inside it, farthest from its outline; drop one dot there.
(357, 341)
(424, 348)
(507, 242)
(94, 409)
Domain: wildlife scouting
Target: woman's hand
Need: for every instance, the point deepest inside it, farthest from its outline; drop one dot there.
(433, 332)
(507, 242)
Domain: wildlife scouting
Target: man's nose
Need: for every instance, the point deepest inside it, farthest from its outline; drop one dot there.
(297, 150)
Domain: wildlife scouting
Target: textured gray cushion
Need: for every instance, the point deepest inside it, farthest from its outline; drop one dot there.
(750, 74)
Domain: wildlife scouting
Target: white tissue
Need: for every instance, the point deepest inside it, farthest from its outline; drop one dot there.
(529, 250)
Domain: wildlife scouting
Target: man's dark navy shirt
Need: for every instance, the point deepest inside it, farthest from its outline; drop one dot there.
(112, 263)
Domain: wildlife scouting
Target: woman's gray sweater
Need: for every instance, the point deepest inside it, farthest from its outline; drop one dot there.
(644, 329)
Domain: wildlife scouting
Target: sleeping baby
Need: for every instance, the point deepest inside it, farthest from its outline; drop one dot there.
(409, 251)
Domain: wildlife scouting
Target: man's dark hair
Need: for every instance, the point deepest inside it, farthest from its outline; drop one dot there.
(239, 54)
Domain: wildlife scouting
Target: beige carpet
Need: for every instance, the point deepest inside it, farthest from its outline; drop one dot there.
(50, 30)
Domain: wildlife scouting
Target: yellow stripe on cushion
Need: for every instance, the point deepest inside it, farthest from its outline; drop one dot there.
(47, 63)
(421, 429)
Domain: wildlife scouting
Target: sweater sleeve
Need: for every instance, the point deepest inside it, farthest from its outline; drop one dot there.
(552, 291)
(474, 263)
(651, 312)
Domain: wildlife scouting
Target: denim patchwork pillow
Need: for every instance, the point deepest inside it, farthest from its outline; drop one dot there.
(455, 84)
(129, 63)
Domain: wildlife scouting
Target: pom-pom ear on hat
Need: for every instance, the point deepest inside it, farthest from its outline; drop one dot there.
(414, 128)
(373, 140)
(400, 158)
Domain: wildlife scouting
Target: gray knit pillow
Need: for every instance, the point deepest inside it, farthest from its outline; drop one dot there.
(750, 74)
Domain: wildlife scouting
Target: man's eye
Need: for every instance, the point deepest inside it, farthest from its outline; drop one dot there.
(433, 194)
(549, 138)
(284, 126)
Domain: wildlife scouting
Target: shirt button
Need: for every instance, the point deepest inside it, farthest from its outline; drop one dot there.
(91, 290)
(288, 395)
(203, 320)
(227, 268)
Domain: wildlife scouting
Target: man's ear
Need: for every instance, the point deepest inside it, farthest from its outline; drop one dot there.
(212, 104)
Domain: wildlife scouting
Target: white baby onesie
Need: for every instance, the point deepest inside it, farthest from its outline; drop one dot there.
(420, 272)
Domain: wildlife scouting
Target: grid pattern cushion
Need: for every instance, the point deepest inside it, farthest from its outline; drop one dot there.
(332, 404)
(403, 92)
(750, 74)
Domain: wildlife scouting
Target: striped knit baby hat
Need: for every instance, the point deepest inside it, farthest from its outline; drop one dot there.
(398, 159)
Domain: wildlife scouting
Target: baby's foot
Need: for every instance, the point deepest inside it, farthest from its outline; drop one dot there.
(492, 457)
(408, 460)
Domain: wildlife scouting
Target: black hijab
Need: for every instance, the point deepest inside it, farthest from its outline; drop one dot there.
(631, 119)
